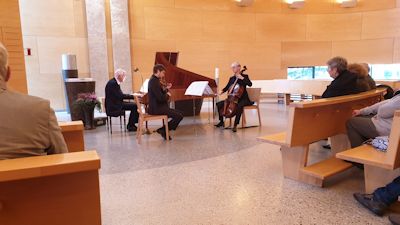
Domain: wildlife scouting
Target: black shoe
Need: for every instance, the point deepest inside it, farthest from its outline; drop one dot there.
(395, 219)
(368, 201)
(326, 146)
(234, 129)
(131, 128)
(163, 134)
(220, 124)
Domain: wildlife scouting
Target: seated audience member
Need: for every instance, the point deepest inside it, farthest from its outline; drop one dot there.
(363, 127)
(380, 200)
(114, 101)
(158, 100)
(28, 126)
(363, 81)
(344, 83)
(371, 82)
(389, 91)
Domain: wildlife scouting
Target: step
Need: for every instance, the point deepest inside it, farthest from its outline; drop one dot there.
(327, 168)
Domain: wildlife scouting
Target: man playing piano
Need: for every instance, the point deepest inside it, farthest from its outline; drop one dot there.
(114, 102)
(242, 80)
(158, 100)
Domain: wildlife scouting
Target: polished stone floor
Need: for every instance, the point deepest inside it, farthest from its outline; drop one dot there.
(207, 175)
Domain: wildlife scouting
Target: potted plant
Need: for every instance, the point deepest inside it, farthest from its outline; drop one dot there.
(86, 102)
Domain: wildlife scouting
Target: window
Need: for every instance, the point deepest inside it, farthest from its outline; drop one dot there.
(378, 72)
(301, 73)
(385, 71)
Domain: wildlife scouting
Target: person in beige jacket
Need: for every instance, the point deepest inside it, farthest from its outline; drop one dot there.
(28, 126)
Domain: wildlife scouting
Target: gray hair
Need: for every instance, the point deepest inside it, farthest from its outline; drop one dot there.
(235, 64)
(339, 63)
(3, 61)
(119, 72)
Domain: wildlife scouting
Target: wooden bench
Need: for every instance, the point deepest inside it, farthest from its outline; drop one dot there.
(60, 189)
(312, 121)
(314, 88)
(73, 135)
(380, 168)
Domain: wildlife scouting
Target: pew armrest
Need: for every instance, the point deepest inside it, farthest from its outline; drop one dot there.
(368, 155)
(41, 166)
(276, 139)
(71, 126)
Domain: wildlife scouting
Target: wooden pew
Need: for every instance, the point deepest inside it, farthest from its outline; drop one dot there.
(61, 189)
(73, 135)
(311, 121)
(314, 88)
(380, 168)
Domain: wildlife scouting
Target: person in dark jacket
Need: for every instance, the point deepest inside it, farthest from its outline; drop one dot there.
(364, 81)
(114, 102)
(371, 81)
(344, 83)
(242, 80)
(158, 100)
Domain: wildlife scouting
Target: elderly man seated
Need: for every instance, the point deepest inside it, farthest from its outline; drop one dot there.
(115, 100)
(28, 126)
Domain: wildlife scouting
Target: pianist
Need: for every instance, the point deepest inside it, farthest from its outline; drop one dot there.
(158, 100)
(114, 102)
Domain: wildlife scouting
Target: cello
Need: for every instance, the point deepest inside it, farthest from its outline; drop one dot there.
(234, 94)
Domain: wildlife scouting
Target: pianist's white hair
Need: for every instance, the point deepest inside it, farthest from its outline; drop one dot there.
(3, 61)
(119, 72)
(235, 64)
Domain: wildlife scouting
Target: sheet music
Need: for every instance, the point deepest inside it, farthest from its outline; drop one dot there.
(198, 88)
(145, 86)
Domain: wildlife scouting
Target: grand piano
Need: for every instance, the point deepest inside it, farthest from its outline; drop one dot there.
(180, 80)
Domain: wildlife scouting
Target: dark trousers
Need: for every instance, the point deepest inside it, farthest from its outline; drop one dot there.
(239, 112)
(133, 116)
(175, 115)
(389, 193)
(360, 129)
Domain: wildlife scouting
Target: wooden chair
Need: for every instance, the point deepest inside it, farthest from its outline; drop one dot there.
(60, 189)
(254, 95)
(315, 120)
(380, 168)
(110, 115)
(144, 118)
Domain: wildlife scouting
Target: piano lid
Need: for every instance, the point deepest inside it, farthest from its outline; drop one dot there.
(179, 77)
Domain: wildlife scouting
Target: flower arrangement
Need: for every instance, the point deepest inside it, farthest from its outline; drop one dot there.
(87, 100)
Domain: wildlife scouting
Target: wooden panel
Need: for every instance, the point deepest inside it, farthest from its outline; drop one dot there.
(305, 53)
(327, 168)
(381, 24)
(172, 24)
(371, 51)
(58, 200)
(396, 53)
(73, 133)
(277, 27)
(223, 26)
(367, 5)
(49, 165)
(334, 27)
(80, 18)
(311, 7)
(11, 37)
(305, 118)
(196, 56)
(256, 55)
(51, 18)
